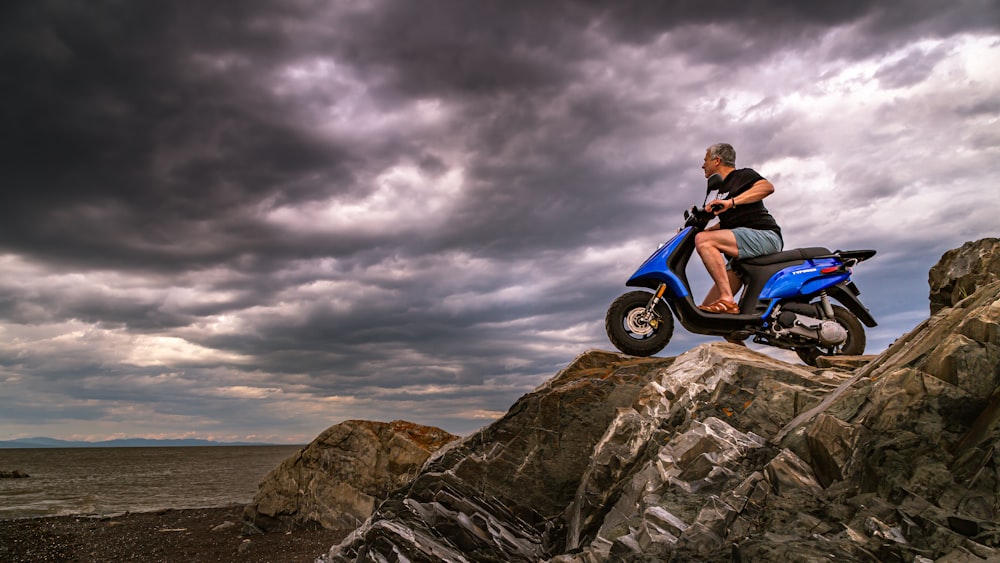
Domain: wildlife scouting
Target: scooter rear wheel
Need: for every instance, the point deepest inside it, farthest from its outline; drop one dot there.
(853, 346)
(629, 329)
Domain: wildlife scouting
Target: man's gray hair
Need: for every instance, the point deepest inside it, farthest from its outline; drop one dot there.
(725, 152)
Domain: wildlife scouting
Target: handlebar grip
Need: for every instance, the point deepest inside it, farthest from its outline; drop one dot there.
(718, 207)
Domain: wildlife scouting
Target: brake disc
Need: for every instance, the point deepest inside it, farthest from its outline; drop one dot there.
(638, 322)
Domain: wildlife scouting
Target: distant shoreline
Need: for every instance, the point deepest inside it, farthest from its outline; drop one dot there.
(106, 516)
(52, 443)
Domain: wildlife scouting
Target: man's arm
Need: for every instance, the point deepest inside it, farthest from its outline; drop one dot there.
(758, 191)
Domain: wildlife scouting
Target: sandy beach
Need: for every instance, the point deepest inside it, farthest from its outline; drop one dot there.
(196, 535)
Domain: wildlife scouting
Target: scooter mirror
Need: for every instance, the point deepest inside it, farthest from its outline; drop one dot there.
(714, 183)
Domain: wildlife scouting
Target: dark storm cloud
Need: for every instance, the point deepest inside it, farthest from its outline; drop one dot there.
(366, 203)
(736, 32)
(110, 140)
(112, 130)
(459, 49)
(912, 69)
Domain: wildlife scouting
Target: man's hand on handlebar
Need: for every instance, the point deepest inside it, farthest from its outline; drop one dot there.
(717, 206)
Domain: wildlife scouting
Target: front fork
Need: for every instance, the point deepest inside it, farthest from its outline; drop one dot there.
(650, 315)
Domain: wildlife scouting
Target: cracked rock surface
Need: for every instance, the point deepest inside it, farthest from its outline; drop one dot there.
(337, 480)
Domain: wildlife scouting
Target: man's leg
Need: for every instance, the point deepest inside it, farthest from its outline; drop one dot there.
(711, 245)
(735, 283)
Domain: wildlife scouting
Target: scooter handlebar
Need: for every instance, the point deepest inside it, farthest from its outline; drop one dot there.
(697, 217)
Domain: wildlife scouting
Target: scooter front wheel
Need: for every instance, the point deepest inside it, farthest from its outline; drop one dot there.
(634, 331)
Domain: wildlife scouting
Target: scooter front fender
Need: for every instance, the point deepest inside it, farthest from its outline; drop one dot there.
(655, 270)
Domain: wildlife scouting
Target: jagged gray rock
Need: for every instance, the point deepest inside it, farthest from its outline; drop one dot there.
(961, 270)
(336, 481)
(495, 494)
(724, 454)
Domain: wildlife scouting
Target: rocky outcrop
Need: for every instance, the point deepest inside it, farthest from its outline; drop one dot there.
(496, 494)
(961, 270)
(336, 481)
(724, 454)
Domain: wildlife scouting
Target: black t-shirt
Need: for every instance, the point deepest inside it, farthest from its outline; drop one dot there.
(750, 215)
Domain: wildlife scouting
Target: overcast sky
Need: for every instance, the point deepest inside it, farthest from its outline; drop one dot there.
(253, 220)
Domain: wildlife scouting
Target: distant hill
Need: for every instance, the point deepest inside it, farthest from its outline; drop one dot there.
(42, 442)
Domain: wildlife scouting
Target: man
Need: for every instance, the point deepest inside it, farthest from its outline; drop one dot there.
(745, 228)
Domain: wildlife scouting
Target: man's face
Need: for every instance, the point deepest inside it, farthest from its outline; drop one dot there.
(711, 165)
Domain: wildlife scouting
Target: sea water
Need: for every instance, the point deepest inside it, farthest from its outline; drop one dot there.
(107, 481)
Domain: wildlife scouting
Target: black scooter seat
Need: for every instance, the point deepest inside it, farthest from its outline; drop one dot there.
(785, 256)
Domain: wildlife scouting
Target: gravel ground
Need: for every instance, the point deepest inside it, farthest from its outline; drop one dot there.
(196, 535)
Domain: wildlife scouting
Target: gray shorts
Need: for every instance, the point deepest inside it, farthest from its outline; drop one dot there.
(752, 242)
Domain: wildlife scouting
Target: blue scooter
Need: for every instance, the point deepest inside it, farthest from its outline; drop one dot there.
(785, 303)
